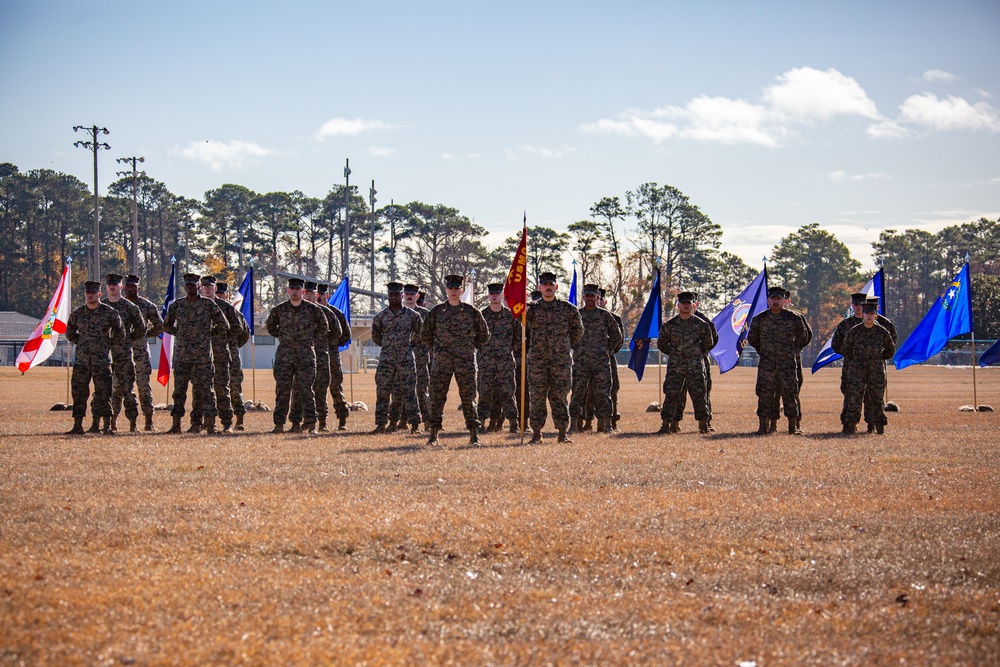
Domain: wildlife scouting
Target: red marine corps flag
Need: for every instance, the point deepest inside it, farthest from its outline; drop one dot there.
(516, 289)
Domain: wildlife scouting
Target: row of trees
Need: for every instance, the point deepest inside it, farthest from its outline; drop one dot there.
(46, 216)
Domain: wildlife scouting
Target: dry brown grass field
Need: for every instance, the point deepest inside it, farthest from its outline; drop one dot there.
(349, 548)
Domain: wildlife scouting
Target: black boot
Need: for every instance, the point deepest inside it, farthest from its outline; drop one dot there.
(849, 429)
(765, 425)
(176, 428)
(95, 426)
(77, 427)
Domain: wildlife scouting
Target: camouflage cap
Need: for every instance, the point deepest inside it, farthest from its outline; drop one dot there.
(687, 297)
(113, 279)
(191, 278)
(131, 279)
(296, 283)
(494, 288)
(221, 287)
(410, 288)
(394, 288)
(591, 289)
(322, 288)
(775, 292)
(92, 286)
(453, 281)
(310, 286)
(546, 277)
(207, 280)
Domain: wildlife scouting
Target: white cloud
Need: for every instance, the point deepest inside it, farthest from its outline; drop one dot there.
(983, 93)
(887, 129)
(728, 121)
(841, 176)
(801, 94)
(953, 113)
(218, 154)
(938, 75)
(336, 127)
(381, 151)
(524, 150)
(804, 93)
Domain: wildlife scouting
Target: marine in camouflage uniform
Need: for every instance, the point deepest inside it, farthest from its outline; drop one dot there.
(776, 411)
(340, 407)
(395, 328)
(495, 361)
(421, 358)
(322, 383)
(237, 339)
(297, 324)
(554, 326)
(192, 321)
(866, 348)
(140, 349)
(778, 336)
(685, 338)
(94, 328)
(221, 358)
(679, 413)
(858, 301)
(454, 331)
(592, 362)
(122, 362)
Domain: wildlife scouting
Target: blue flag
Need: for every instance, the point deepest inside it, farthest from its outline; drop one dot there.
(573, 299)
(341, 300)
(873, 288)
(245, 305)
(950, 316)
(990, 356)
(647, 329)
(733, 322)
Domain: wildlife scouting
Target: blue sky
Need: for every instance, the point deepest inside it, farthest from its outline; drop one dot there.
(861, 116)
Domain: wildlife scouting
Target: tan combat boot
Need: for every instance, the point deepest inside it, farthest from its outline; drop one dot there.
(149, 423)
(239, 423)
(77, 427)
(95, 426)
(210, 424)
(176, 428)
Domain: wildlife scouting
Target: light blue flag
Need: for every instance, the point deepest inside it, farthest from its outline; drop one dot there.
(246, 306)
(341, 300)
(647, 329)
(873, 288)
(950, 316)
(573, 298)
(733, 322)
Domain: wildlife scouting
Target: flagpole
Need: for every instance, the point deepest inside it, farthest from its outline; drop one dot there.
(660, 396)
(253, 369)
(524, 366)
(69, 350)
(972, 338)
(883, 300)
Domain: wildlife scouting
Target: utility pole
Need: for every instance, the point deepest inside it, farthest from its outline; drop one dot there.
(94, 145)
(135, 206)
(392, 240)
(347, 213)
(372, 200)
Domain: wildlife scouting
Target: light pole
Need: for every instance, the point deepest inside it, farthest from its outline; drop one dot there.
(135, 206)
(94, 145)
(372, 200)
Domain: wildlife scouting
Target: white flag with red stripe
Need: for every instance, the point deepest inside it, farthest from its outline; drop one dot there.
(45, 337)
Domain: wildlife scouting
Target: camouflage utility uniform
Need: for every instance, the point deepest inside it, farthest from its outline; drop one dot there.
(592, 364)
(863, 381)
(140, 355)
(395, 376)
(192, 324)
(496, 366)
(778, 339)
(222, 362)
(554, 326)
(94, 332)
(682, 403)
(837, 345)
(123, 363)
(297, 328)
(686, 342)
(807, 338)
(322, 382)
(453, 334)
(236, 342)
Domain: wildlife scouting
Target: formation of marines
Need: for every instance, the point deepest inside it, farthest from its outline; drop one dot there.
(569, 350)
